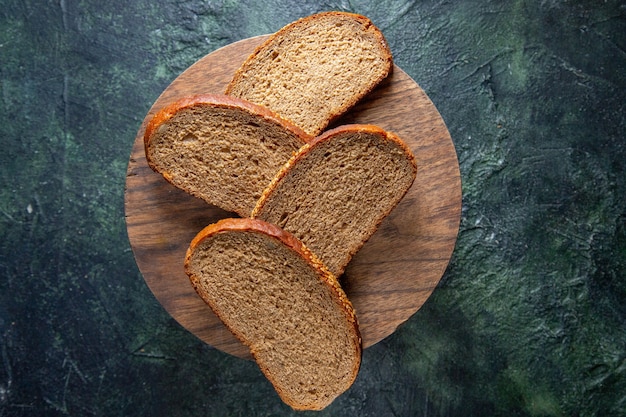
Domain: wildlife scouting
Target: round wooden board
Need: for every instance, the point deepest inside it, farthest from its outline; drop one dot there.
(387, 281)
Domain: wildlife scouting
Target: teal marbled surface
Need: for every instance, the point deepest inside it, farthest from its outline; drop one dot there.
(530, 317)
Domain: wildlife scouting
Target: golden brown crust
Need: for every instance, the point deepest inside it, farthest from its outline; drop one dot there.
(286, 238)
(246, 225)
(328, 135)
(218, 101)
(367, 24)
(365, 21)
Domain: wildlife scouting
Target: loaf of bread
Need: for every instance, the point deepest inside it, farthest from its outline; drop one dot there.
(221, 149)
(280, 301)
(334, 193)
(315, 69)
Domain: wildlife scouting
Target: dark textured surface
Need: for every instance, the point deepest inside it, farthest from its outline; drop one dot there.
(529, 319)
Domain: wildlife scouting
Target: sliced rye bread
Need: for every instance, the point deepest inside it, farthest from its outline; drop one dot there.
(221, 149)
(334, 193)
(314, 69)
(281, 301)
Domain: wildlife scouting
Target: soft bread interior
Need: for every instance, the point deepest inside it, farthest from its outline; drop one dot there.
(315, 69)
(334, 193)
(224, 155)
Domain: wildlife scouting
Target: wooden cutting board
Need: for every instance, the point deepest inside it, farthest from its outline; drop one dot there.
(388, 280)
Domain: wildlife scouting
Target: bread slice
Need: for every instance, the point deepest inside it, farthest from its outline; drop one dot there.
(334, 193)
(280, 301)
(221, 149)
(314, 69)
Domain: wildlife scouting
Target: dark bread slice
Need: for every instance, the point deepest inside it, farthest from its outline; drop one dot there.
(221, 149)
(283, 303)
(314, 69)
(334, 193)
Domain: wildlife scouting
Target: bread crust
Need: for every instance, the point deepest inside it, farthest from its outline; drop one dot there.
(317, 141)
(217, 101)
(289, 240)
(328, 135)
(367, 24)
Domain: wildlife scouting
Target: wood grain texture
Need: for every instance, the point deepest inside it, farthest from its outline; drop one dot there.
(388, 280)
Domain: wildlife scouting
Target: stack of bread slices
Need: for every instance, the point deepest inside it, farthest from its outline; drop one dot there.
(304, 198)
